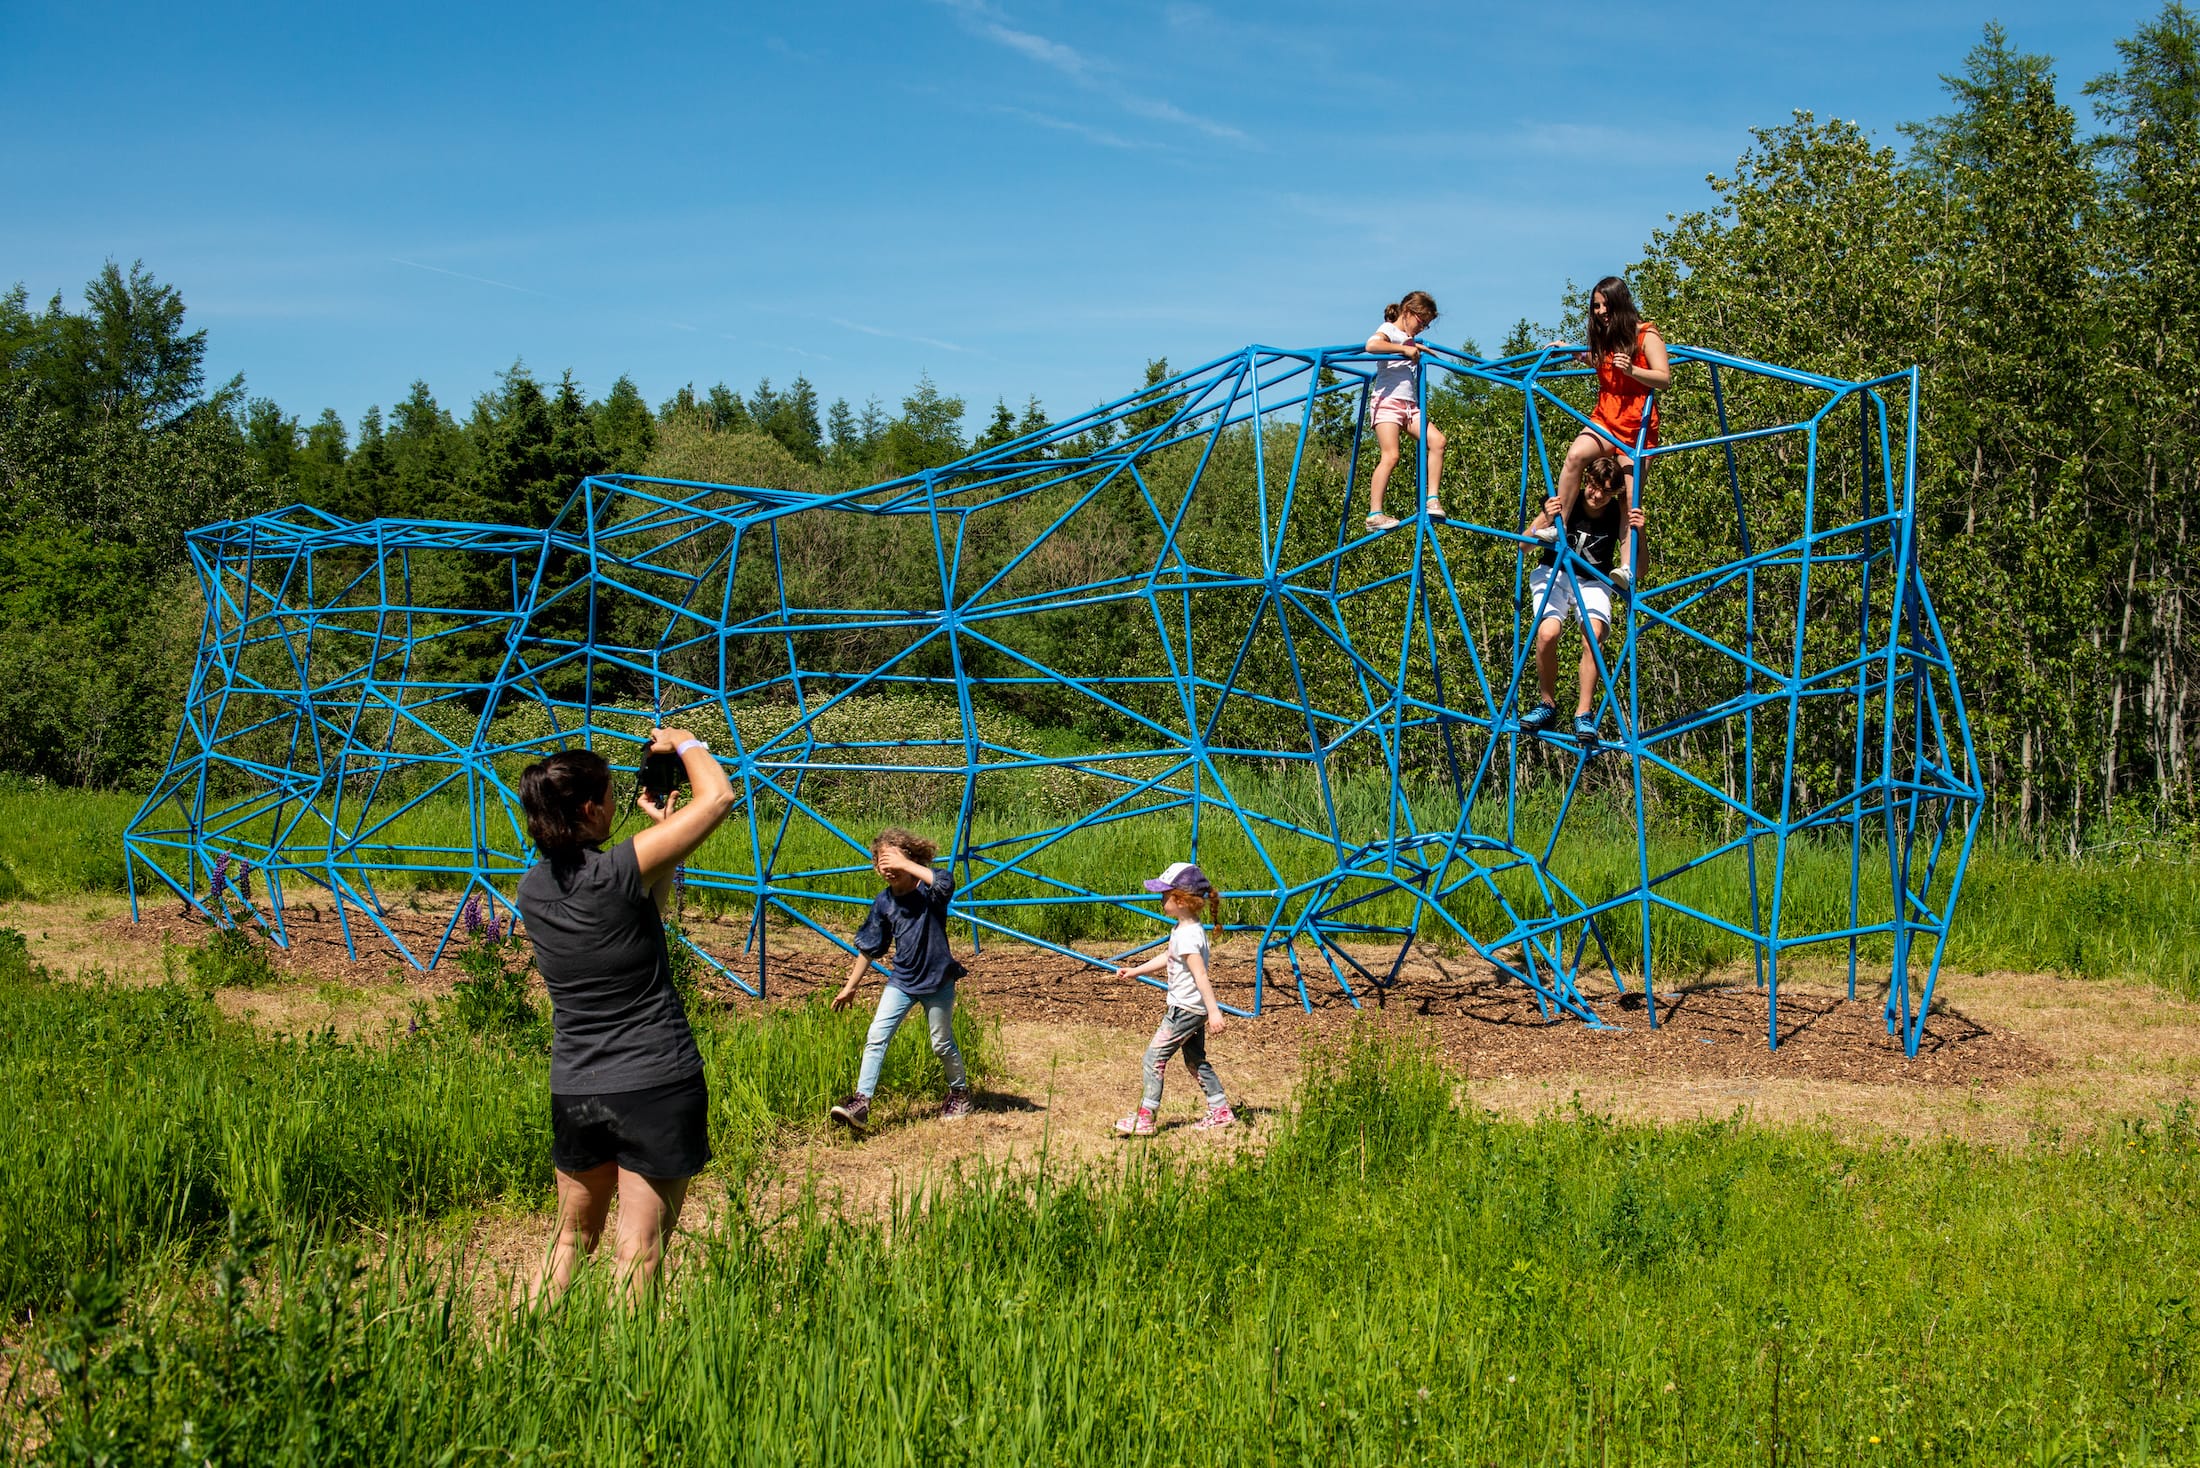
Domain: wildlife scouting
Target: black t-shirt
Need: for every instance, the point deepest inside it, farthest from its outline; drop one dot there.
(914, 925)
(617, 1022)
(1596, 536)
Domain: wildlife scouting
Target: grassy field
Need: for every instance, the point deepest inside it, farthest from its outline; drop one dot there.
(229, 1246)
(2083, 917)
(1398, 1279)
(140, 1118)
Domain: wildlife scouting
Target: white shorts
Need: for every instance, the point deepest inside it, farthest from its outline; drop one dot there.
(1596, 600)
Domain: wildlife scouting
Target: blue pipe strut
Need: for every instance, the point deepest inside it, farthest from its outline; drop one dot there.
(1325, 717)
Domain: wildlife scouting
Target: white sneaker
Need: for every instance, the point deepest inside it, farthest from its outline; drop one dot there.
(1548, 534)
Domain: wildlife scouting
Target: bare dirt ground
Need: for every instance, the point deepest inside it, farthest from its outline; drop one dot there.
(2005, 1056)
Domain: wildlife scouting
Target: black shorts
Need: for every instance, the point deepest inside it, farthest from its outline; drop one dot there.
(662, 1132)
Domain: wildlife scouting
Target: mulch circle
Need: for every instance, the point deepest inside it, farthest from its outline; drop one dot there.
(1485, 1024)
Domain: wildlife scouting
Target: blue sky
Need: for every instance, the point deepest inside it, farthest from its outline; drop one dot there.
(1016, 196)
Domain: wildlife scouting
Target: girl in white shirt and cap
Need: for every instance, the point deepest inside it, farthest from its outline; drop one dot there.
(1193, 1013)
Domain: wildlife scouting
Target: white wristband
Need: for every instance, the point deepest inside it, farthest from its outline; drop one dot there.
(687, 744)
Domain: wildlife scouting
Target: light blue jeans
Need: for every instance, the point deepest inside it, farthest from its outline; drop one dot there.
(893, 1008)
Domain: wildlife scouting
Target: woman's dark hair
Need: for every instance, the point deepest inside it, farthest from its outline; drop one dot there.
(552, 791)
(1616, 332)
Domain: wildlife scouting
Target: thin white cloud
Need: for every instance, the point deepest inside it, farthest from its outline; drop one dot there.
(742, 341)
(502, 285)
(1159, 111)
(1090, 134)
(1065, 59)
(1092, 73)
(899, 336)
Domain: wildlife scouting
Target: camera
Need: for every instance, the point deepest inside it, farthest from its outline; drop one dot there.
(660, 774)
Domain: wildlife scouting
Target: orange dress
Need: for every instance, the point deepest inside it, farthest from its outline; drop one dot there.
(1620, 399)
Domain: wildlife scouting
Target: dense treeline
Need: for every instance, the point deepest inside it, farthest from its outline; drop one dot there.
(2049, 284)
(2046, 276)
(112, 446)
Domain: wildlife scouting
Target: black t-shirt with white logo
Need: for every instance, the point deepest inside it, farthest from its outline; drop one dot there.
(1595, 536)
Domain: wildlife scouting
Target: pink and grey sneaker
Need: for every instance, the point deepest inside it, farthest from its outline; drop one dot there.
(957, 1104)
(1217, 1116)
(853, 1113)
(1138, 1124)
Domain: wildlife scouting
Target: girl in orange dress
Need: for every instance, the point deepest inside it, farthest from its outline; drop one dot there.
(1630, 361)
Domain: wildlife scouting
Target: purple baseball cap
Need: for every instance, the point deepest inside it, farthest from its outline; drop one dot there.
(1181, 876)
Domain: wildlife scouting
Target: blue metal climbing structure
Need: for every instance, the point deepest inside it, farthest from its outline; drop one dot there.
(1154, 630)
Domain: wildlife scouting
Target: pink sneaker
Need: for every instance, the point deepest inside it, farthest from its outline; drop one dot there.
(1220, 1116)
(957, 1104)
(1138, 1124)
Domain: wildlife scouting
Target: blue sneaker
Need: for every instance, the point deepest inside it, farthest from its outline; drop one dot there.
(1585, 729)
(1539, 718)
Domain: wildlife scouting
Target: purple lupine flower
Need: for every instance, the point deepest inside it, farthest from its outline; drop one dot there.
(495, 929)
(215, 888)
(244, 880)
(470, 914)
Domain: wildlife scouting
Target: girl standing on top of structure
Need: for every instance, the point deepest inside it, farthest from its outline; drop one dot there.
(1394, 401)
(1630, 361)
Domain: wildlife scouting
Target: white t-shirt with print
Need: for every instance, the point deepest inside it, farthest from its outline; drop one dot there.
(1188, 938)
(1394, 379)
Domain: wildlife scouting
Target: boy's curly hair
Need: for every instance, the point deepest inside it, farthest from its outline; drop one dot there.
(908, 843)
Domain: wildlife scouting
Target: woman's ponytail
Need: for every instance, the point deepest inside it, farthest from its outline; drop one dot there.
(553, 792)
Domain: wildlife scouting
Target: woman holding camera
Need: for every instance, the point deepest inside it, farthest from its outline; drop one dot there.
(628, 1107)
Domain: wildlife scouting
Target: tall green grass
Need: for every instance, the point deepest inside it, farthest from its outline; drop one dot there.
(139, 1117)
(57, 843)
(1397, 1279)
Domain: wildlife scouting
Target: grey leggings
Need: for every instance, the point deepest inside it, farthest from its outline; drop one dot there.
(1181, 1030)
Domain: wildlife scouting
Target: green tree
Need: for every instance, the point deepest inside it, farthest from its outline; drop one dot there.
(532, 448)
(319, 467)
(728, 414)
(843, 439)
(1152, 410)
(1034, 419)
(369, 484)
(429, 459)
(2010, 192)
(273, 436)
(926, 434)
(791, 419)
(624, 426)
(1000, 430)
(2149, 264)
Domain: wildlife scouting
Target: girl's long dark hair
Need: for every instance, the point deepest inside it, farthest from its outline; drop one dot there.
(552, 792)
(1616, 332)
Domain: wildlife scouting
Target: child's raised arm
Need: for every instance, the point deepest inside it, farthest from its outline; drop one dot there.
(892, 859)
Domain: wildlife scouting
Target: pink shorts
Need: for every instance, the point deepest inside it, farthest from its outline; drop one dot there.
(1400, 410)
